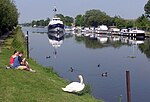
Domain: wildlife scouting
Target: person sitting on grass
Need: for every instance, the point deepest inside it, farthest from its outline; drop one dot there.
(16, 52)
(22, 61)
(18, 64)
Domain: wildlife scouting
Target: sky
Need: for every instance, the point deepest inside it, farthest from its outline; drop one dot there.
(41, 9)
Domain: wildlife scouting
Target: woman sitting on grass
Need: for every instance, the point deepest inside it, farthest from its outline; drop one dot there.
(21, 64)
(16, 52)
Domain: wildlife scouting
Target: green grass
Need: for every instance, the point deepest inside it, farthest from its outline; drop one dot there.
(23, 86)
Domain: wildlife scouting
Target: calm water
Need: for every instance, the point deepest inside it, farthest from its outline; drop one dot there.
(84, 55)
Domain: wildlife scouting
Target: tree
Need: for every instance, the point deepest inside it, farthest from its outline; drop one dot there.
(129, 23)
(119, 22)
(78, 20)
(92, 17)
(8, 15)
(96, 17)
(68, 21)
(147, 8)
(47, 21)
(143, 23)
(41, 22)
(33, 23)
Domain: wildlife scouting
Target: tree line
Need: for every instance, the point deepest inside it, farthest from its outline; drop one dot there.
(96, 17)
(8, 16)
(68, 21)
(40, 22)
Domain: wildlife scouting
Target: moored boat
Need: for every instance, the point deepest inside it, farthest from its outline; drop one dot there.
(56, 26)
(136, 33)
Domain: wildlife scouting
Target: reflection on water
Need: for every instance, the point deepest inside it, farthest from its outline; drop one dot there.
(55, 42)
(93, 58)
(116, 42)
(107, 41)
(145, 48)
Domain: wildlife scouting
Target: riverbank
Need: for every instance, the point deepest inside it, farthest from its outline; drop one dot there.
(42, 86)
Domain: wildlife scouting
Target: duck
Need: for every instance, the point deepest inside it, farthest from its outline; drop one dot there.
(104, 74)
(98, 65)
(75, 86)
(48, 57)
(71, 69)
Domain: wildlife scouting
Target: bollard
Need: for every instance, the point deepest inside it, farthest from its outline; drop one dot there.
(128, 86)
(27, 42)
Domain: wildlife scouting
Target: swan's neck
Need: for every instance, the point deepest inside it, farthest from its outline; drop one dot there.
(81, 80)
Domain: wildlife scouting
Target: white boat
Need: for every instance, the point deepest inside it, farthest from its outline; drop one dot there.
(67, 28)
(124, 31)
(56, 26)
(113, 30)
(133, 33)
(136, 31)
(102, 29)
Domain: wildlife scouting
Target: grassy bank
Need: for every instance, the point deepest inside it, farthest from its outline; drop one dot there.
(24, 86)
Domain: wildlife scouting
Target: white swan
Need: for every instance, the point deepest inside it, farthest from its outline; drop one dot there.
(75, 86)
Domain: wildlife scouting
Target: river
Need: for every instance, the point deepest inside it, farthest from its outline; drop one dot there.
(74, 55)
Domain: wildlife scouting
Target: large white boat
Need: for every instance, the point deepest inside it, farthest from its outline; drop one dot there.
(56, 26)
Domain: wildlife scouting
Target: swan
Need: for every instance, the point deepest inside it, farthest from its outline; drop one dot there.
(75, 86)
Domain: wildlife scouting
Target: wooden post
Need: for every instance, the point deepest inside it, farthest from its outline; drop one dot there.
(128, 86)
(27, 39)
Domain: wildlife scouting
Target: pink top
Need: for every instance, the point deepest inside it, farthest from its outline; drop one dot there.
(11, 60)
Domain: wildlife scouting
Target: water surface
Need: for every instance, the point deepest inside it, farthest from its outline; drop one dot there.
(84, 55)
